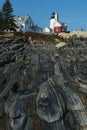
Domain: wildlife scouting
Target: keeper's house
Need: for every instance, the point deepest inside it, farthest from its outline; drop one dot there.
(26, 24)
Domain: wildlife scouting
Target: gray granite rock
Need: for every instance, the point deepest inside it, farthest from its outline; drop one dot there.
(43, 87)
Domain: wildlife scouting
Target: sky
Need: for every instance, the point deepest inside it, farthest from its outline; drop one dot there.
(71, 12)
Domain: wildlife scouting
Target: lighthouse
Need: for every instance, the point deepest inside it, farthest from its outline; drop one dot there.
(56, 25)
(53, 20)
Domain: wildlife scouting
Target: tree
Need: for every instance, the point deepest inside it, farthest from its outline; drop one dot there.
(1, 21)
(8, 17)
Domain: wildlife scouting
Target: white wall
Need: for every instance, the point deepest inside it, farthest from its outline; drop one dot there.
(52, 22)
(28, 24)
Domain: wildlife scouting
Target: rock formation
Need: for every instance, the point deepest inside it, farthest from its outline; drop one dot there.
(43, 85)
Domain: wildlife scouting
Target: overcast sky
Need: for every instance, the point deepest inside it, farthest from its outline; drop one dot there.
(72, 12)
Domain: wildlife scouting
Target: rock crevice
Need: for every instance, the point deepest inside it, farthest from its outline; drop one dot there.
(43, 86)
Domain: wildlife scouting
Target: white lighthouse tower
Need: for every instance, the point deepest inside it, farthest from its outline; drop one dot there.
(53, 20)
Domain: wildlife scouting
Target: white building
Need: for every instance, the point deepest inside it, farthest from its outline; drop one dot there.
(56, 25)
(47, 30)
(26, 24)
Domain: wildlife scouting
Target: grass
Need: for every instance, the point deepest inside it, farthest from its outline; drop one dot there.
(35, 36)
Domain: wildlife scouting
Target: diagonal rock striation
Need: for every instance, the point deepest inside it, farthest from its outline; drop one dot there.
(43, 86)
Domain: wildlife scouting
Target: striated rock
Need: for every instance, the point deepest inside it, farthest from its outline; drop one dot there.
(60, 44)
(77, 33)
(43, 86)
